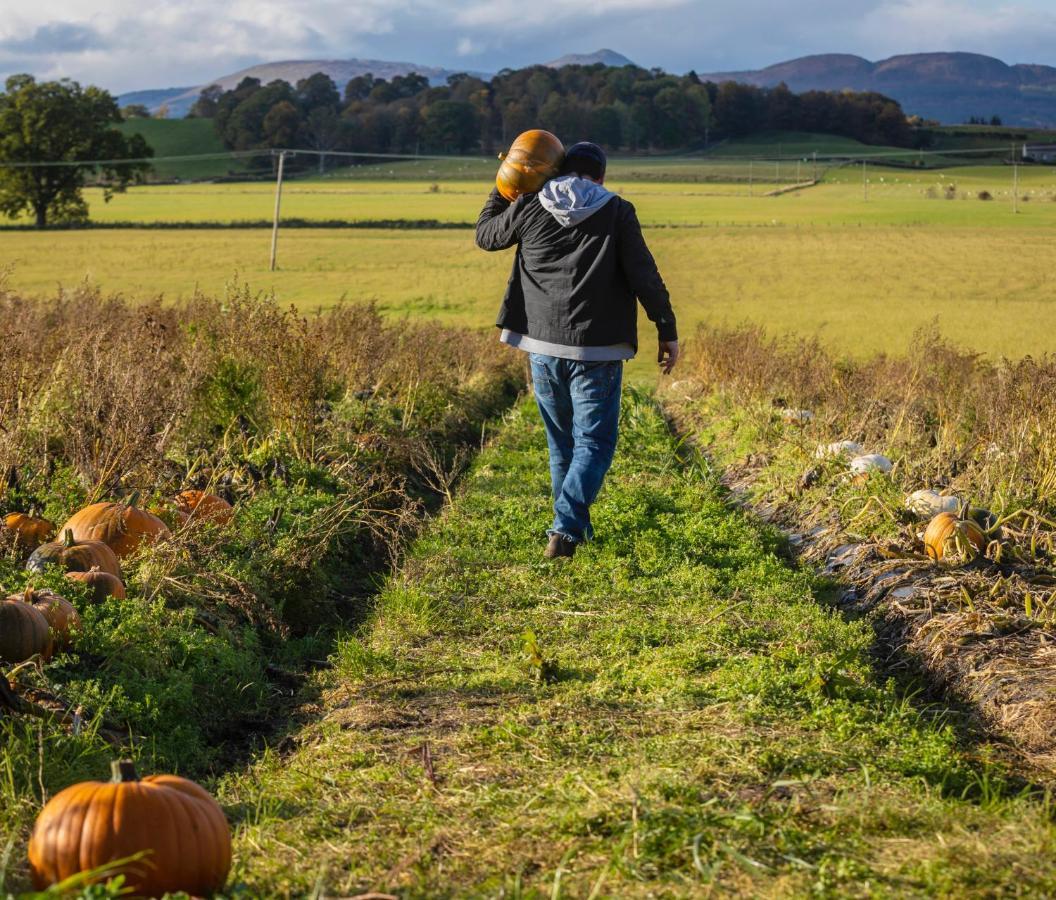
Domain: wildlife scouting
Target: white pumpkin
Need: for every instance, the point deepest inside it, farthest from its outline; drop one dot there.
(871, 462)
(927, 504)
(838, 448)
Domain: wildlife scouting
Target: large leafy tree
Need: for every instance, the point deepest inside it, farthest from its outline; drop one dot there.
(58, 134)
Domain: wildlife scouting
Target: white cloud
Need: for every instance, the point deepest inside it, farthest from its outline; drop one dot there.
(467, 47)
(126, 44)
(912, 26)
(504, 13)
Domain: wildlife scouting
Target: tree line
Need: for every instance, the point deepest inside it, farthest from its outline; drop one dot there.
(623, 109)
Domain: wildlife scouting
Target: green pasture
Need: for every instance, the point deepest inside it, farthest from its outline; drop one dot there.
(864, 289)
(863, 274)
(848, 196)
(184, 137)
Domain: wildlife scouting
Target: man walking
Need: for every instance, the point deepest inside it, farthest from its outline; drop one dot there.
(571, 304)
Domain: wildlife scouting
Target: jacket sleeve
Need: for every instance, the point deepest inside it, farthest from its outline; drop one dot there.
(641, 272)
(497, 224)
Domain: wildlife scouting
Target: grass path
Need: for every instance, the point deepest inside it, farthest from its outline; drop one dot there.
(688, 719)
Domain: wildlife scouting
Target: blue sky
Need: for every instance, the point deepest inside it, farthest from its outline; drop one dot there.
(126, 44)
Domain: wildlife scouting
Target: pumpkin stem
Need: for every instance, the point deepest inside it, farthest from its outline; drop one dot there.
(133, 500)
(67, 538)
(123, 771)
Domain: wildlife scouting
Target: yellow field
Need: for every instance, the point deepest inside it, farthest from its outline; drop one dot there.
(861, 274)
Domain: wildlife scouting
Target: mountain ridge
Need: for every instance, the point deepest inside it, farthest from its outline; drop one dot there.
(948, 86)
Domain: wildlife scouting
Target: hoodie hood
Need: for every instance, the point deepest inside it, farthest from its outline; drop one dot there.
(572, 199)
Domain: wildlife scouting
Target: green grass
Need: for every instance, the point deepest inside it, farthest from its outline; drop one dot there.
(183, 137)
(861, 288)
(695, 720)
(861, 273)
(795, 143)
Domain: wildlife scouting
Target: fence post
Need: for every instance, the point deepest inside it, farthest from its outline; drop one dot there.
(278, 202)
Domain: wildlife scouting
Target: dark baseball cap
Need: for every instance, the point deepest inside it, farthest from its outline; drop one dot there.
(584, 158)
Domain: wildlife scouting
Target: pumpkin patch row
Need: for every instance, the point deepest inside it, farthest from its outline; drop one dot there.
(170, 834)
(122, 526)
(93, 542)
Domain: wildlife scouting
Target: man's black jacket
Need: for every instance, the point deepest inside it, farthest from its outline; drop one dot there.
(578, 285)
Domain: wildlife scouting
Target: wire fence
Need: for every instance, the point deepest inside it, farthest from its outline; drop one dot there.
(353, 189)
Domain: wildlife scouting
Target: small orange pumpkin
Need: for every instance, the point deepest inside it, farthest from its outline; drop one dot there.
(948, 534)
(74, 556)
(102, 584)
(24, 632)
(121, 526)
(201, 506)
(175, 823)
(30, 530)
(61, 615)
(534, 159)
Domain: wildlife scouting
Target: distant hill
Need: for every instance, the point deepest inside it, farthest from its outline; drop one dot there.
(180, 100)
(152, 99)
(950, 87)
(604, 57)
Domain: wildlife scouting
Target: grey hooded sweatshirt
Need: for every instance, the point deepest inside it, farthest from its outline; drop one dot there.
(572, 200)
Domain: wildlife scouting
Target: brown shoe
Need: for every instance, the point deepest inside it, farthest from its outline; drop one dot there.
(560, 547)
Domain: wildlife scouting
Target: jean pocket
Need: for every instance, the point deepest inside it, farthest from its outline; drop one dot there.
(597, 381)
(544, 387)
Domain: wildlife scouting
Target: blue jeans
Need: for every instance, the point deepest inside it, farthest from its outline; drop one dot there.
(580, 405)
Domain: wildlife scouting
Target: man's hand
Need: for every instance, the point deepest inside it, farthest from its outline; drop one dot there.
(668, 356)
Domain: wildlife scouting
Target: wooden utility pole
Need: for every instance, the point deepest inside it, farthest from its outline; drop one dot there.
(815, 166)
(1015, 180)
(278, 204)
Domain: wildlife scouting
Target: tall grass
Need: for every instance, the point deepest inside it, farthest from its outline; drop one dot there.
(952, 418)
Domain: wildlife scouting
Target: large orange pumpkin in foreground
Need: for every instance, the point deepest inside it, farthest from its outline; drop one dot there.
(24, 632)
(179, 827)
(74, 556)
(534, 159)
(29, 529)
(200, 506)
(948, 534)
(101, 584)
(121, 526)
